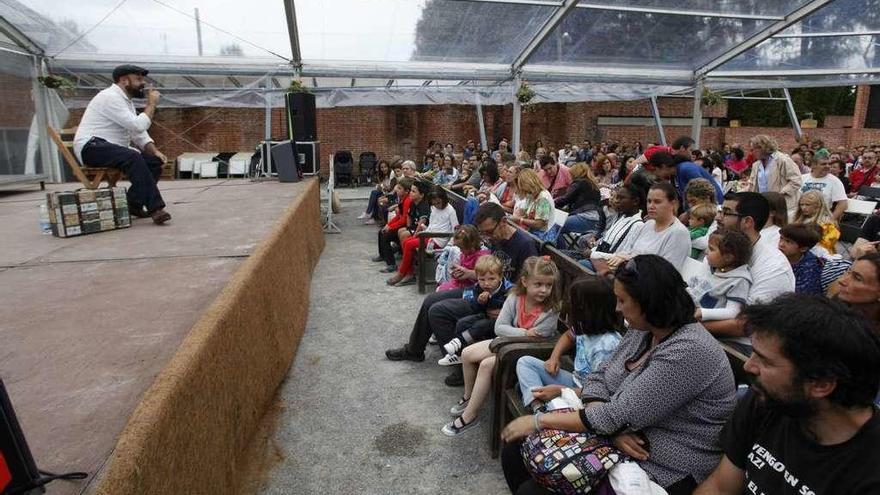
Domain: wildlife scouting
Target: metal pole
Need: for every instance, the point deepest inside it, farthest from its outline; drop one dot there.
(199, 31)
(655, 111)
(517, 114)
(697, 124)
(48, 155)
(792, 115)
(267, 149)
(483, 144)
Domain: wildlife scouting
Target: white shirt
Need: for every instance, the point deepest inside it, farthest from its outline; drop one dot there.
(770, 235)
(830, 187)
(771, 273)
(444, 221)
(111, 116)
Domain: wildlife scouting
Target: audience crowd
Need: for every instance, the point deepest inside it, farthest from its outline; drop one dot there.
(691, 260)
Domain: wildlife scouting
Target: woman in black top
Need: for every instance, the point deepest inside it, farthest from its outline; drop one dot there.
(838, 168)
(583, 202)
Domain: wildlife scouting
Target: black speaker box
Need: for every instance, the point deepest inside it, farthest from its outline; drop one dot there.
(284, 161)
(19, 473)
(302, 121)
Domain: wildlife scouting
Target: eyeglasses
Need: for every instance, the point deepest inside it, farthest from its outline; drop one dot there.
(490, 232)
(730, 213)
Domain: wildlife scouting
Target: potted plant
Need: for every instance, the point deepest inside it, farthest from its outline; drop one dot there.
(296, 86)
(710, 98)
(57, 82)
(525, 93)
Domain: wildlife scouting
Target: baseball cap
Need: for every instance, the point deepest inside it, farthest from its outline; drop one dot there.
(124, 70)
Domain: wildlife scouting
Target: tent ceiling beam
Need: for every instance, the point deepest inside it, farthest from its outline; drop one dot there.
(293, 32)
(22, 40)
(562, 10)
(639, 9)
(836, 34)
(760, 36)
(747, 74)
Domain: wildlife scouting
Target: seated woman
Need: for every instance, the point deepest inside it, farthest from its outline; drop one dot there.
(443, 220)
(389, 233)
(813, 209)
(491, 183)
(382, 178)
(583, 202)
(860, 286)
(448, 173)
(535, 213)
(664, 394)
(594, 334)
(508, 197)
(663, 234)
(628, 222)
(468, 176)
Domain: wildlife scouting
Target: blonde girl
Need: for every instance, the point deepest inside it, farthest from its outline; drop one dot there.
(531, 310)
(812, 209)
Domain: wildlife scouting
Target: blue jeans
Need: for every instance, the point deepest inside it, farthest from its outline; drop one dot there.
(373, 203)
(581, 223)
(531, 374)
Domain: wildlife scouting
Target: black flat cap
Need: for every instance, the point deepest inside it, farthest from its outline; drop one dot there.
(124, 70)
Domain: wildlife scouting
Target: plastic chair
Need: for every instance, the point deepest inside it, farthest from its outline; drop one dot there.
(344, 168)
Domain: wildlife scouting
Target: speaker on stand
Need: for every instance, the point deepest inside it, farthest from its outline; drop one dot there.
(302, 129)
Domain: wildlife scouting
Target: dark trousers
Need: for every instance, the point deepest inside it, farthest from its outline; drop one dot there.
(430, 322)
(373, 204)
(521, 482)
(142, 170)
(475, 328)
(386, 251)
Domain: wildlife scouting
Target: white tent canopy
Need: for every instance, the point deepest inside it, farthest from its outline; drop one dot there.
(405, 52)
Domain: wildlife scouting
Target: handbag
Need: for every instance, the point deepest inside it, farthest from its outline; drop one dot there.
(570, 462)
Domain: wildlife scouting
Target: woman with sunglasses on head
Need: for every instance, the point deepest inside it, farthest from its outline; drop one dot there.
(662, 397)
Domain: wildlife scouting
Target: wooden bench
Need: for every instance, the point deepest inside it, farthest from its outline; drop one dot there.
(90, 177)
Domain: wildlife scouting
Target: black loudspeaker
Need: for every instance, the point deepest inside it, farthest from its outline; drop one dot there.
(302, 123)
(284, 161)
(18, 471)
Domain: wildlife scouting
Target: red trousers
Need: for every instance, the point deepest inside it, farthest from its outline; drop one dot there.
(409, 248)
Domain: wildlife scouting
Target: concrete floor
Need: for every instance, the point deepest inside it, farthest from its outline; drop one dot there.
(87, 322)
(353, 422)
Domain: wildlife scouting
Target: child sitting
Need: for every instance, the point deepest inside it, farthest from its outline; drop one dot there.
(489, 294)
(796, 241)
(531, 310)
(467, 244)
(721, 288)
(699, 219)
(813, 209)
(594, 335)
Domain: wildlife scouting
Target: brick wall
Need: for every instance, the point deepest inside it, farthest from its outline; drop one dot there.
(16, 104)
(861, 110)
(405, 130)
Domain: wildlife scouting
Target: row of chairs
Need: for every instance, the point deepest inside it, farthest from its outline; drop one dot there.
(344, 168)
(507, 404)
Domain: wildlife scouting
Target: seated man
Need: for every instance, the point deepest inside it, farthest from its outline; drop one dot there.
(771, 272)
(808, 426)
(441, 311)
(108, 127)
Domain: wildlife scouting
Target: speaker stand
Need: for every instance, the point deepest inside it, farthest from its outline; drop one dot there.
(329, 226)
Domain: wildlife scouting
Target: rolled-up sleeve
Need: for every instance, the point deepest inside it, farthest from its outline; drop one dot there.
(116, 110)
(141, 139)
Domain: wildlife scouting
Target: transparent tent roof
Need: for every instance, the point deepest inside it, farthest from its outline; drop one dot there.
(393, 51)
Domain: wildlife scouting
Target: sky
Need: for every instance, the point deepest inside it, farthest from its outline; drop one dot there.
(363, 30)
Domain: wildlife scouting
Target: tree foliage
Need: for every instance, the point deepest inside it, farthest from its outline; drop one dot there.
(817, 101)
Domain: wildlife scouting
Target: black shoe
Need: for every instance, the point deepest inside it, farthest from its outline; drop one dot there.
(377, 259)
(389, 269)
(455, 379)
(136, 210)
(404, 354)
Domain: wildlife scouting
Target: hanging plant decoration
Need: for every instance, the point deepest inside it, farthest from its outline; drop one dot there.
(56, 82)
(296, 86)
(525, 93)
(710, 98)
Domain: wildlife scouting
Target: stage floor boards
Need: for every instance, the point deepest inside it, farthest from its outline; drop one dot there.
(87, 322)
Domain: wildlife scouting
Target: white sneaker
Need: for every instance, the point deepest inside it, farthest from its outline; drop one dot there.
(449, 360)
(457, 426)
(453, 346)
(369, 221)
(362, 216)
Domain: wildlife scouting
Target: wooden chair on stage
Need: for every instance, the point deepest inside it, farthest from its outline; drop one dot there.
(91, 177)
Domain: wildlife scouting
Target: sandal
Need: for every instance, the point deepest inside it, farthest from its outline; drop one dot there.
(458, 426)
(459, 408)
(393, 280)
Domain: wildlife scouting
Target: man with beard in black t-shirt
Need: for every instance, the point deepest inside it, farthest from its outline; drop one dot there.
(808, 426)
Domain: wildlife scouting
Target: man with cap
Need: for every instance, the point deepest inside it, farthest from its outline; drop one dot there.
(110, 126)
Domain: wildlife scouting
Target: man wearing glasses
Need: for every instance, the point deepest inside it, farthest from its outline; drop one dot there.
(441, 310)
(771, 272)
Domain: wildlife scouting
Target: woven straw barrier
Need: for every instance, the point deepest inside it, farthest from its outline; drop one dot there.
(189, 431)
